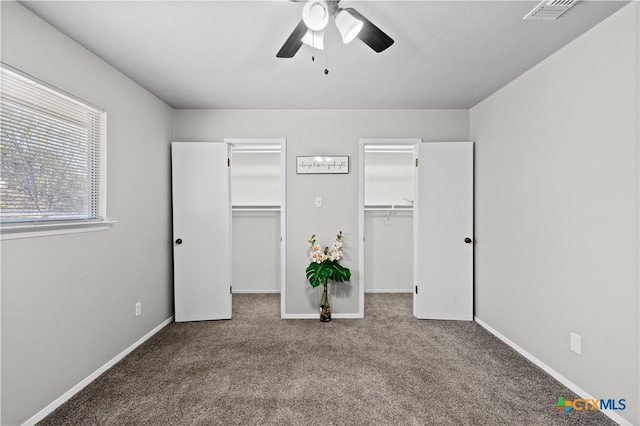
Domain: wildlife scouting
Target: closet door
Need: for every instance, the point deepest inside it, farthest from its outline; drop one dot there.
(201, 231)
(443, 232)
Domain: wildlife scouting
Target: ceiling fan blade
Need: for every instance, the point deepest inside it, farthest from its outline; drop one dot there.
(293, 43)
(371, 35)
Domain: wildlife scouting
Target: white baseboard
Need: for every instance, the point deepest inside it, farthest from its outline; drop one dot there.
(251, 291)
(317, 316)
(300, 316)
(387, 290)
(346, 316)
(559, 377)
(77, 388)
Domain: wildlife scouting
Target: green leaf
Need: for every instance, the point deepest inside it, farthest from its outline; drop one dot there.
(319, 273)
(340, 273)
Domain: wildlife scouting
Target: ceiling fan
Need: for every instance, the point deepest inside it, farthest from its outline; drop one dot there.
(351, 24)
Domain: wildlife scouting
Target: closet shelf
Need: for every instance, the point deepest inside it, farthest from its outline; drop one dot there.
(392, 207)
(256, 208)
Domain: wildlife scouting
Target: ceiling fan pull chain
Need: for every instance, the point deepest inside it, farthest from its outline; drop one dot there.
(313, 48)
(326, 54)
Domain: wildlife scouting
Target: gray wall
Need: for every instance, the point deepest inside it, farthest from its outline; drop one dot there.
(255, 178)
(255, 253)
(557, 210)
(388, 257)
(321, 132)
(68, 301)
(389, 178)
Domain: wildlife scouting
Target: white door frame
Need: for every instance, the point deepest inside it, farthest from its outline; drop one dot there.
(361, 227)
(283, 205)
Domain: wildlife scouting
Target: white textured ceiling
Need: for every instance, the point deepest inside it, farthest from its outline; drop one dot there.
(222, 54)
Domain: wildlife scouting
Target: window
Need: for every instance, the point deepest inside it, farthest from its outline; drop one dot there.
(52, 155)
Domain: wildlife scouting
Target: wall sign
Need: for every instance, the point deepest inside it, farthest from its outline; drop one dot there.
(329, 164)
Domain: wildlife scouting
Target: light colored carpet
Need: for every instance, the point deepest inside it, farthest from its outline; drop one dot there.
(387, 369)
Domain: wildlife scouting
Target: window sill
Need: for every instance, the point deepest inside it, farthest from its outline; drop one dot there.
(12, 232)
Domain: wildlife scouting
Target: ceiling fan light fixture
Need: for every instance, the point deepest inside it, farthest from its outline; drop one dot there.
(315, 15)
(314, 39)
(348, 25)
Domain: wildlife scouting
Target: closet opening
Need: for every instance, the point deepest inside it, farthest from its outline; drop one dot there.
(434, 226)
(257, 180)
(386, 216)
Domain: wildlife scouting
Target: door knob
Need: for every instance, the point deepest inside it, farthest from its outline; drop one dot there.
(179, 241)
(467, 240)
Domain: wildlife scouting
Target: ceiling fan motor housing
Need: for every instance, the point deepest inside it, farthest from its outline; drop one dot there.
(315, 15)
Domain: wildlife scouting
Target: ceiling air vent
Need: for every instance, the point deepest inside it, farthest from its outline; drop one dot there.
(550, 9)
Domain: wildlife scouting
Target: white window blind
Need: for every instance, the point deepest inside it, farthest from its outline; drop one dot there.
(52, 154)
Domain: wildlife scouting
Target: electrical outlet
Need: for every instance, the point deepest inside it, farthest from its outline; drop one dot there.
(138, 308)
(318, 201)
(575, 343)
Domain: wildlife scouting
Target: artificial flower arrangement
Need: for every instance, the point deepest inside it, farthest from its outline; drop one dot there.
(324, 266)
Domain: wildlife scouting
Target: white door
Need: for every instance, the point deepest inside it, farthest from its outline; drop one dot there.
(443, 231)
(201, 231)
